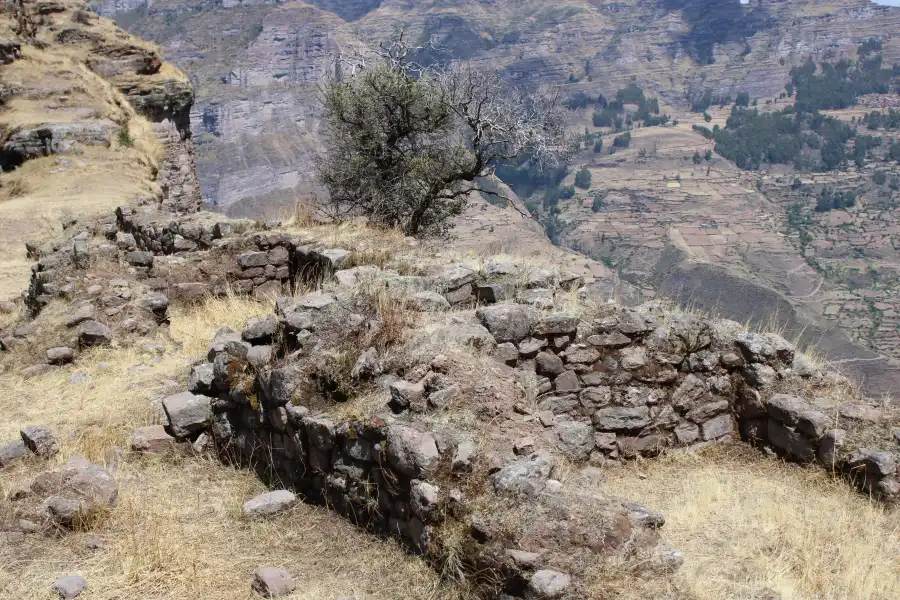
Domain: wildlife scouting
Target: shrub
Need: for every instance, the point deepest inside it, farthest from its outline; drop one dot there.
(707, 117)
(598, 146)
(583, 178)
(622, 141)
(879, 177)
(125, 138)
(405, 148)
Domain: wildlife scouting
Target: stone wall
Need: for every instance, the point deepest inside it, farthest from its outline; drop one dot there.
(594, 388)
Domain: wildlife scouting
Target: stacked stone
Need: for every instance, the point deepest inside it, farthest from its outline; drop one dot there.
(633, 383)
(391, 474)
(501, 282)
(373, 471)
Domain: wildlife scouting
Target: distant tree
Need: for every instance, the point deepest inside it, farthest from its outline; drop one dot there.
(622, 141)
(598, 146)
(708, 155)
(697, 158)
(583, 178)
(707, 117)
(743, 99)
(406, 145)
(597, 205)
(879, 177)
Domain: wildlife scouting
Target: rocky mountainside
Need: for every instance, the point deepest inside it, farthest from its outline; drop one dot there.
(255, 64)
(666, 227)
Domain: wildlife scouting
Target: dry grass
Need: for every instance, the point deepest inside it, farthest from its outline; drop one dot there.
(177, 531)
(750, 526)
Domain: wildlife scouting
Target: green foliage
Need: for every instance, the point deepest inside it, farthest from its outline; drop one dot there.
(556, 193)
(406, 149)
(862, 146)
(633, 94)
(524, 179)
(879, 177)
(869, 46)
(877, 120)
(743, 99)
(583, 178)
(707, 117)
(704, 131)
(125, 138)
(832, 200)
(751, 139)
(598, 146)
(838, 85)
(708, 155)
(894, 152)
(697, 158)
(622, 141)
(597, 205)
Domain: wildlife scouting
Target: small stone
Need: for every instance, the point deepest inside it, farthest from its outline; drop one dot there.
(270, 582)
(11, 452)
(70, 586)
(260, 330)
(406, 396)
(567, 382)
(547, 585)
(463, 457)
(549, 364)
(39, 439)
(860, 412)
(506, 353)
(717, 427)
(92, 333)
(151, 439)
(269, 504)
(524, 446)
(60, 355)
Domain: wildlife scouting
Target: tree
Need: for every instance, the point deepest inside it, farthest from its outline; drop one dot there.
(879, 177)
(708, 155)
(696, 158)
(406, 145)
(583, 178)
(743, 99)
(707, 117)
(598, 146)
(622, 141)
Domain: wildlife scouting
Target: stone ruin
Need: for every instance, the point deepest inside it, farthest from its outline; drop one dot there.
(476, 434)
(542, 392)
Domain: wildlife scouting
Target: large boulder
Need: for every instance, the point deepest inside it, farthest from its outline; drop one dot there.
(508, 322)
(410, 452)
(187, 413)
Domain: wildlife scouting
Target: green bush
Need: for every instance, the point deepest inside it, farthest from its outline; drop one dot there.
(583, 178)
(622, 141)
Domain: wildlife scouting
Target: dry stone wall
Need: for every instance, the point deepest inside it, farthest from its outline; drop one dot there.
(615, 385)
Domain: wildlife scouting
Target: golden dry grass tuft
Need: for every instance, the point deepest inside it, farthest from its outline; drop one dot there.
(755, 528)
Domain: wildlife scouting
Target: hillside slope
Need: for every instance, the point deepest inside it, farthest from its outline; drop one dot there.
(255, 64)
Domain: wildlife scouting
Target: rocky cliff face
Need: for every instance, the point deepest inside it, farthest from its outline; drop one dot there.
(255, 63)
(120, 68)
